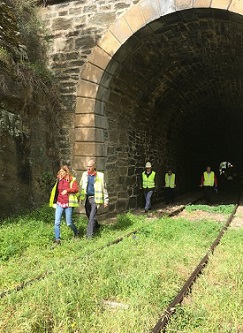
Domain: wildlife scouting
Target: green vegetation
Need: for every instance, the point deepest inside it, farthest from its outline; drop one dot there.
(90, 287)
(223, 209)
(215, 304)
(24, 44)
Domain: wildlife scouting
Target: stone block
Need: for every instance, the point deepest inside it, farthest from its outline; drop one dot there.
(135, 18)
(109, 43)
(85, 105)
(166, 6)
(92, 73)
(221, 4)
(121, 30)
(89, 149)
(236, 6)
(183, 4)
(201, 3)
(61, 24)
(85, 120)
(99, 57)
(150, 10)
(89, 134)
(87, 89)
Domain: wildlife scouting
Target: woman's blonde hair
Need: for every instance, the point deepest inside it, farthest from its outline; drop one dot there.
(66, 169)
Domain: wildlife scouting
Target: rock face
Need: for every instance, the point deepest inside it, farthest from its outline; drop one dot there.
(29, 122)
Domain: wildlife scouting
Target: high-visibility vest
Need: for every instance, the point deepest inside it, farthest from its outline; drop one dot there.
(170, 180)
(100, 194)
(72, 197)
(148, 181)
(208, 178)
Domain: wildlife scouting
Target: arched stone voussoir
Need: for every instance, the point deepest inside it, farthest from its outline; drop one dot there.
(220, 4)
(134, 18)
(99, 57)
(87, 89)
(121, 30)
(202, 3)
(109, 43)
(167, 6)
(183, 4)
(236, 6)
(150, 10)
(92, 73)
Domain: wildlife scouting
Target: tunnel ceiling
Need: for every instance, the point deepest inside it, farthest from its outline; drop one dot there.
(187, 69)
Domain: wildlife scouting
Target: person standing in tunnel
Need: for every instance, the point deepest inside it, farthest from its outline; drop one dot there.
(209, 183)
(148, 185)
(94, 194)
(170, 185)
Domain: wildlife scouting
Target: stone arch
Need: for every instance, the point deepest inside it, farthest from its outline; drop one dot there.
(92, 91)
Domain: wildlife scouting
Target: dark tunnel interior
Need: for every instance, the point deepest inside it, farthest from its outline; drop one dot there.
(179, 80)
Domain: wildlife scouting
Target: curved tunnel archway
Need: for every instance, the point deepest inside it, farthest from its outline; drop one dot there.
(172, 94)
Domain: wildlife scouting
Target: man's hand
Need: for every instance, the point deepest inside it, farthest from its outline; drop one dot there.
(105, 205)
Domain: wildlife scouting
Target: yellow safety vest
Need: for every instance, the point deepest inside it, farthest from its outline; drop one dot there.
(148, 182)
(208, 178)
(170, 180)
(72, 197)
(100, 194)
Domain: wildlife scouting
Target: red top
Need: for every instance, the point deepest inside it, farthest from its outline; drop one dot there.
(64, 184)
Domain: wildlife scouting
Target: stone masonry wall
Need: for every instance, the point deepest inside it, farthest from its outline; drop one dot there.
(73, 29)
(122, 67)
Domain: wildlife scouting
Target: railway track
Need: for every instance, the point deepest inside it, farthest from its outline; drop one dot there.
(187, 287)
(159, 213)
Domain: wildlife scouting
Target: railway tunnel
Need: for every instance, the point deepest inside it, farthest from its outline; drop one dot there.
(173, 95)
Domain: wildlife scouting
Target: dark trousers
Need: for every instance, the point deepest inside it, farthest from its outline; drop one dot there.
(169, 195)
(91, 212)
(208, 191)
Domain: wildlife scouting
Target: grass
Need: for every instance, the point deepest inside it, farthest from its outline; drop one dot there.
(121, 288)
(223, 209)
(215, 304)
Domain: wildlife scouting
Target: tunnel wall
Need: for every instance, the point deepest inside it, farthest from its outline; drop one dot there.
(108, 123)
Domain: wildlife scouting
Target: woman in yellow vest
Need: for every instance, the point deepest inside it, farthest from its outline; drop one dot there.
(148, 185)
(170, 185)
(208, 182)
(64, 198)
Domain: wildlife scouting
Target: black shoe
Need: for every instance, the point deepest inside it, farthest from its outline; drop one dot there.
(77, 235)
(145, 211)
(57, 242)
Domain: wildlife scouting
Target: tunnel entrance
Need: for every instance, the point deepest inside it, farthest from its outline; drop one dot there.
(173, 95)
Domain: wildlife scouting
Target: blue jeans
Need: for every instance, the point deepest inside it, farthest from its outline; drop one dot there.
(68, 215)
(148, 196)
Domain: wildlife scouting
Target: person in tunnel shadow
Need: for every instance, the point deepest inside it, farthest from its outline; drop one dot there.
(170, 185)
(148, 185)
(209, 183)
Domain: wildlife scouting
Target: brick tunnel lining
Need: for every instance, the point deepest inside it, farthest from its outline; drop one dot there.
(175, 98)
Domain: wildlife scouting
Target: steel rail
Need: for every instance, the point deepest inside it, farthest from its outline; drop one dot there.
(42, 276)
(171, 309)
